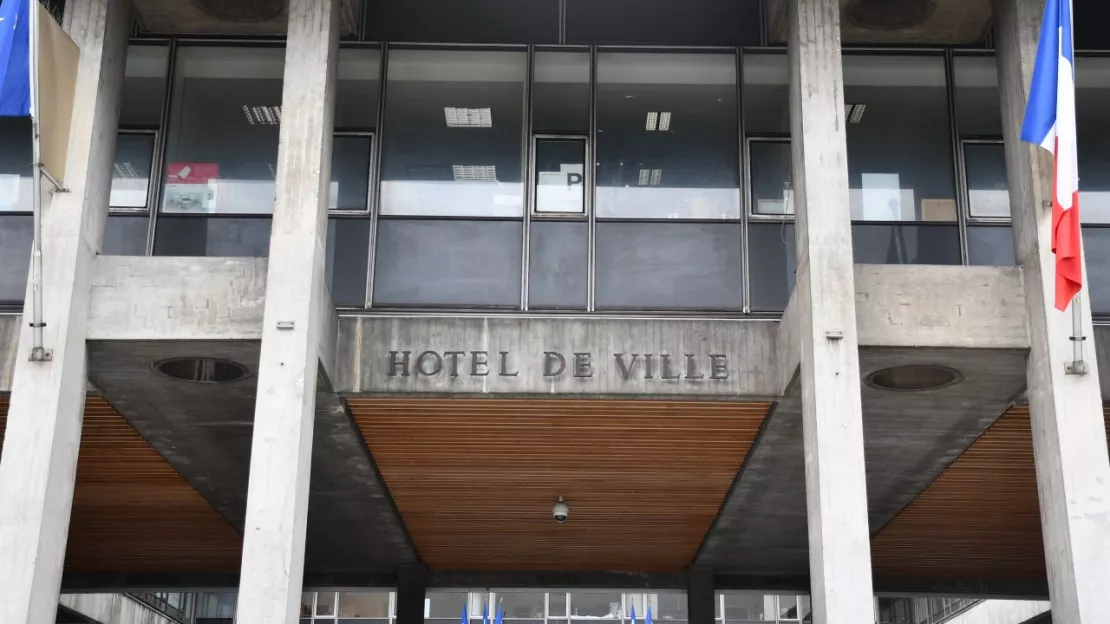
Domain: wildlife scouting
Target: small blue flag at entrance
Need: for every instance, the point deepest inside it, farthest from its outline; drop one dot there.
(632, 618)
(647, 620)
(485, 613)
(498, 620)
(465, 617)
(15, 63)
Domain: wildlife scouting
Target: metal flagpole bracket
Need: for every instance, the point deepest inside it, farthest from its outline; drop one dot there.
(1078, 364)
(58, 188)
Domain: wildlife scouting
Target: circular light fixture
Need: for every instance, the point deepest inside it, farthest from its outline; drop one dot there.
(914, 378)
(889, 14)
(202, 370)
(242, 10)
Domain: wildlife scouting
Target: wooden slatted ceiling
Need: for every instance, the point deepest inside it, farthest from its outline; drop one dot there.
(475, 480)
(132, 512)
(979, 519)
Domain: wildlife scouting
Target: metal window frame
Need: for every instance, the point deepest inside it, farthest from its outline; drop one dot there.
(145, 209)
(534, 172)
(753, 216)
(970, 218)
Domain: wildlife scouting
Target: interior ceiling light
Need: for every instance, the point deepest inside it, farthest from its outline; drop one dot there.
(242, 10)
(202, 370)
(474, 173)
(914, 378)
(889, 14)
(468, 117)
(855, 115)
(124, 170)
(262, 115)
(650, 177)
(664, 121)
(652, 122)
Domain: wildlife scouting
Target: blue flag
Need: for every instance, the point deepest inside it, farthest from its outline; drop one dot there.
(498, 619)
(465, 616)
(647, 620)
(485, 613)
(15, 64)
(633, 617)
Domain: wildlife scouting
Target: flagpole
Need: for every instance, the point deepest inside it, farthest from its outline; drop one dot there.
(38, 353)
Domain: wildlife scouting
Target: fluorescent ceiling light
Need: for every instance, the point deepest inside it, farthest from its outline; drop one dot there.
(262, 115)
(854, 112)
(652, 122)
(124, 170)
(474, 173)
(664, 121)
(468, 117)
(650, 177)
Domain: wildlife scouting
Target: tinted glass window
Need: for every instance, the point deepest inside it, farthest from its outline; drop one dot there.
(899, 146)
(452, 145)
(15, 164)
(766, 94)
(1092, 81)
(667, 136)
(771, 166)
(131, 171)
(663, 22)
(988, 190)
(357, 89)
(978, 104)
(472, 21)
(144, 86)
(561, 93)
(221, 156)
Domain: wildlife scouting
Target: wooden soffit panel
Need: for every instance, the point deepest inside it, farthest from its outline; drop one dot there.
(475, 480)
(132, 512)
(979, 519)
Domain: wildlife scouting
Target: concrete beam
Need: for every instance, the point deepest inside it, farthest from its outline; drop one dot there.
(293, 323)
(1069, 432)
(832, 414)
(39, 461)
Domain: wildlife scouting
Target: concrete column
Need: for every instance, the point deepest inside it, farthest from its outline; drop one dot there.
(836, 488)
(700, 597)
(48, 398)
(410, 596)
(281, 451)
(1069, 434)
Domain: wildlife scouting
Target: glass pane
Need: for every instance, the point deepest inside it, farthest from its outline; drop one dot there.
(446, 604)
(667, 132)
(561, 93)
(131, 171)
(364, 605)
(560, 176)
(773, 265)
(453, 134)
(557, 604)
(448, 263)
(357, 89)
(15, 256)
(348, 256)
(747, 607)
(221, 156)
(590, 605)
(1092, 77)
(906, 244)
(306, 604)
(766, 94)
(520, 605)
(899, 148)
(978, 104)
(557, 275)
(216, 606)
(658, 22)
(214, 237)
(350, 173)
(125, 235)
(988, 190)
(804, 609)
(325, 603)
(788, 607)
(669, 606)
(15, 165)
(144, 86)
(669, 266)
(1096, 247)
(771, 165)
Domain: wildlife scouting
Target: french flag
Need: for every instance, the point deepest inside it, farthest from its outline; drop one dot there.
(1050, 123)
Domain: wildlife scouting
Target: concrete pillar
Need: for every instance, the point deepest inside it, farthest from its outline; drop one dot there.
(281, 451)
(410, 596)
(836, 488)
(1069, 433)
(48, 398)
(700, 597)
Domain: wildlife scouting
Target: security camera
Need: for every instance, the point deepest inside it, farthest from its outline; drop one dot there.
(561, 511)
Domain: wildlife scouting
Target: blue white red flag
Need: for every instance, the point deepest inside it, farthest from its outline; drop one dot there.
(15, 61)
(1050, 123)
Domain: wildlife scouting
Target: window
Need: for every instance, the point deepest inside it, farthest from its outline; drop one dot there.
(452, 150)
(364, 606)
(221, 159)
(668, 197)
(592, 605)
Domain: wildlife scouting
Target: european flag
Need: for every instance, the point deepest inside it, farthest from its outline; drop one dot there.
(633, 618)
(498, 619)
(15, 65)
(648, 619)
(465, 616)
(485, 613)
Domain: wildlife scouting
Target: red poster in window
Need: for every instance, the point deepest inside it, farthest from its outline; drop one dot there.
(192, 173)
